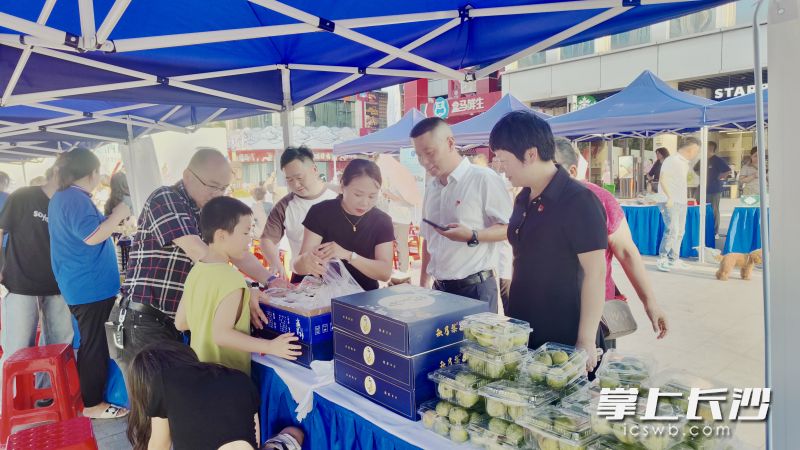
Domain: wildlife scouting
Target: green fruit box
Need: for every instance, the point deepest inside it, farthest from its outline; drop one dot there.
(625, 370)
(582, 397)
(448, 420)
(565, 424)
(496, 332)
(649, 435)
(457, 384)
(492, 433)
(491, 363)
(554, 365)
(510, 400)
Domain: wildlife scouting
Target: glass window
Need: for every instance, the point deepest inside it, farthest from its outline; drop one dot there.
(254, 173)
(699, 22)
(745, 10)
(629, 38)
(577, 50)
(338, 113)
(532, 60)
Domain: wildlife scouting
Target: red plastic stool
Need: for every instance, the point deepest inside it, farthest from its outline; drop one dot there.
(73, 434)
(58, 360)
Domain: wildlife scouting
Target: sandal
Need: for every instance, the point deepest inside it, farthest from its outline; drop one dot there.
(112, 412)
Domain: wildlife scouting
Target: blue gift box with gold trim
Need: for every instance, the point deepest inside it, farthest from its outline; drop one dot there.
(405, 319)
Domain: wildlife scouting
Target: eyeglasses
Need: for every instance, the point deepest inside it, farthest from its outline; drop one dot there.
(222, 189)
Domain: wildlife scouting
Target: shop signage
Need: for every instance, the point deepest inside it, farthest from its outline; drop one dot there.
(441, 108)
(734, 91)
(585, 101)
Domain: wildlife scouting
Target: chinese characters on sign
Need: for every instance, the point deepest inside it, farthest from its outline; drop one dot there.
(467, 105)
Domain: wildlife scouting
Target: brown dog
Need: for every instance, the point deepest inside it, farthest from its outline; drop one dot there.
(744, 260)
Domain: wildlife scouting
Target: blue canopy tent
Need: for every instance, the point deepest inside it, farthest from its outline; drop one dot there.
(475, 131)
(645, 107)
(387, 140)
(737, 112)
(274, 56)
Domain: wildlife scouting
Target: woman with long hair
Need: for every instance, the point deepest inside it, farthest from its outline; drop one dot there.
(178, 401)
(351, 229)
(85, 267)
(119, 190)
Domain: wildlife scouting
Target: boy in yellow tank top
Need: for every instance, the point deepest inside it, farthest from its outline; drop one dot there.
(214, 306)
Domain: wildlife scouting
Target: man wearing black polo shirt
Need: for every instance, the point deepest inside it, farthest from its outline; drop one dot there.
(558, 233)
(718, 171)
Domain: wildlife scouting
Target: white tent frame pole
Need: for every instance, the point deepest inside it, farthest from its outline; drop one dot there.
(166, 116)
(21, 153)
(88, 30)
(20, 41)
(43, 32)
(23, 99)
(210, 118)
(367, 71)
(360, 38)
(552, 40)
(383, 61)
(225, 73)
(111, 20)
(703, 195)
(287, 121)
(26, 53)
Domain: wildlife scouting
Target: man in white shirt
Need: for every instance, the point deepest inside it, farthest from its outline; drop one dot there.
(306, 189)
(472, 207)
(673, 185)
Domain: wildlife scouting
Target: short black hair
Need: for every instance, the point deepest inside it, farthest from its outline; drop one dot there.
(426, 125)
(221, 213)
(712, 146)
(687, 141)
(361, 168)
(663, 152)
(753, 151)
(519, 131)
(301, 153)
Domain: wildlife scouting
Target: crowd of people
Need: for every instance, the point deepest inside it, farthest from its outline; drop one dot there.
(181, 319)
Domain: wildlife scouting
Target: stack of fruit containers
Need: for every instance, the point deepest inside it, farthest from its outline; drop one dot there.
(458, 404)
(556, 366)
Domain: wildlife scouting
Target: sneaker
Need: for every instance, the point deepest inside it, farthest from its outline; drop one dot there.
(663, 265)
(680, 265)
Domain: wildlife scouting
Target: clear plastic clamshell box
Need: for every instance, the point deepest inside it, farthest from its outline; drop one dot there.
(457, 384)
(640, 433)
(510, 400)
(625, 370)
(496, 332)
(554, 365)
(582, 397)
(554, 428)
(491, 363)
(495, 434)
(448, 420)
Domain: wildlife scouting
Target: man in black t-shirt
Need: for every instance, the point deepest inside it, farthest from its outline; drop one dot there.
(28, 275)
(718, 171)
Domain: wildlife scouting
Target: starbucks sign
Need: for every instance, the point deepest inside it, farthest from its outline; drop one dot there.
(585, 101)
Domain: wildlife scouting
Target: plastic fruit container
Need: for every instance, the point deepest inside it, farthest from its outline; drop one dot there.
(510, 400)
(634, 431)
(581, 398)
(554, 365)
(493, 433)
(493, 364)
(496, 332)
(625, 370)
(555, 428)
(447, 419)
(457, 384)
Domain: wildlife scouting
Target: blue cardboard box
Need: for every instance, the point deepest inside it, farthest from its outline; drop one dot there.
(405, 319)
(396, 398)
(409, 372)
(313, 329)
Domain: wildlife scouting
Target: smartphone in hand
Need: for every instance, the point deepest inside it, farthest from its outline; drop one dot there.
(435, 225)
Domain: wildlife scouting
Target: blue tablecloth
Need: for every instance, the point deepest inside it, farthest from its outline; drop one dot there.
(744, 231)
(327, 426)
(647, 228)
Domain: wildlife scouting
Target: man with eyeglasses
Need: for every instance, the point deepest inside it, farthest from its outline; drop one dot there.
(166, 246)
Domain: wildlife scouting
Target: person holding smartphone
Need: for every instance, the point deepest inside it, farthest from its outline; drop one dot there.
(469, 208)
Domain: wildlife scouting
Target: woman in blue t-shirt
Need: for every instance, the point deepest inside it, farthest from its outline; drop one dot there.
(85, 267)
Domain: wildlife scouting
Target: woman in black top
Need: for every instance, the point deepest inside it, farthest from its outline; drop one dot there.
(178, 402)
(351, 229)
(655, 171)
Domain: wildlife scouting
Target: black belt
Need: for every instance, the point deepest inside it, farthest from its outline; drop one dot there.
(475, 278)
(150, 311)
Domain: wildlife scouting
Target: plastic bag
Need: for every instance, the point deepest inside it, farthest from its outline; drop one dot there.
(313, 293)
(337, 281)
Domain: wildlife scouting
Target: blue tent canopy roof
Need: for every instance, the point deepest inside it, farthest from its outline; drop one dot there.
(646, 106)
(738, 111)
(387, 140)
(476, 130)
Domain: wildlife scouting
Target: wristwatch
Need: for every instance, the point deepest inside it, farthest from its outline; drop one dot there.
(474, 241)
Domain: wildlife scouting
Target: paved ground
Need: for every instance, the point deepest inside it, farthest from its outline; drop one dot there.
(716, 331)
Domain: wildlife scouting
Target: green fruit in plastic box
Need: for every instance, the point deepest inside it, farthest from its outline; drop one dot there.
(515, 434)
(544, 358)
(600, 425)
(537, 373)
(458, 434)
(653, 442)
(496, 446)
(475, 417)
(564, 422)
(498, 426)
(466, 379)
(515, 412)
(495, 408)
(468, 333)
(443, 409)
(520, 340)
(494, 369)
(458, 416)
(428, 419)
(546, 443)
(476, 365)
(609, 381)
(487, 342)
(559, 357)
(557, 379)
(445, 391)
(567, 446)
(441, 427)
(467, 399)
